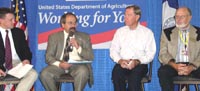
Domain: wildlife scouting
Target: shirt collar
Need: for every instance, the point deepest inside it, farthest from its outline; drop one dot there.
(3, 31)
(187, 29)
(65, 34)
(137, 28)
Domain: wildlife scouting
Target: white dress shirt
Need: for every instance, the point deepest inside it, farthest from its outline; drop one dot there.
(182, 51)
(133, 44)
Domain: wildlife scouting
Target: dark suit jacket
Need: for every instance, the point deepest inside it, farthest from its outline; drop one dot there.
(21, 46)
(56, 45)
(169, 45)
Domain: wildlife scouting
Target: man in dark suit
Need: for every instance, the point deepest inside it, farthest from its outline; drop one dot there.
(179, 50)
(20, 52)
(81, 50)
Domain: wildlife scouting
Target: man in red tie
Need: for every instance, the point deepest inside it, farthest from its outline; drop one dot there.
(14, 49)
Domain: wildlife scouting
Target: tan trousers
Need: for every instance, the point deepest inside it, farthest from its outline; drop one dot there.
(27, 81)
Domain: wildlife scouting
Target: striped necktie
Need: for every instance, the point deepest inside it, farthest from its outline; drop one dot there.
(66, 52)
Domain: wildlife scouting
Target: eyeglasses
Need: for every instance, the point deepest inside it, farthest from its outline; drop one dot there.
(71, 23)
(180, 17)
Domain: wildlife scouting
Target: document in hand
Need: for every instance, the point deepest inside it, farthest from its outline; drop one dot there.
(20, 70)
(71, 61)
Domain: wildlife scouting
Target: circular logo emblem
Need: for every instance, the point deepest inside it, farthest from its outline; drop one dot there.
(170, 22)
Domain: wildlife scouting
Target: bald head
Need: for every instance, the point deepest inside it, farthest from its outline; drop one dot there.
(186, 10)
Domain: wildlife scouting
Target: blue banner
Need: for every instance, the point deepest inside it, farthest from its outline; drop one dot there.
(99, 18)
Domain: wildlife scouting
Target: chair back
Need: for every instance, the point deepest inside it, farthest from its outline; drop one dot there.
(148, 77)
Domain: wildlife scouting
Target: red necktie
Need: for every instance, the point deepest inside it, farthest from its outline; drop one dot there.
(8, 53)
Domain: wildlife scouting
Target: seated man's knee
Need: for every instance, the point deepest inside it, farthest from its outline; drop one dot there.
(45, 74)
(83, 71)
(34, 74)
(164, 70)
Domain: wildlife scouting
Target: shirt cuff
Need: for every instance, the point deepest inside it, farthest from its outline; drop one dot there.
(79, 49)
(117, 60)
(56, 63)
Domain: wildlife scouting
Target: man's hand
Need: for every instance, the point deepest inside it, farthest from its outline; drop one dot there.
(25, 62)
(186, 70)
(64, 65)
(74, 43)
(123, 63)
(180, 68)
(132, 64)
(2, 73)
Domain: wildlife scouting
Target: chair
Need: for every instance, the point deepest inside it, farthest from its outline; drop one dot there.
(8, 80)
(186, 80)
(148, 77)
(64, 78)
(69, 79)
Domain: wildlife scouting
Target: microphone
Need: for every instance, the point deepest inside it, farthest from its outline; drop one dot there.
(71, 33)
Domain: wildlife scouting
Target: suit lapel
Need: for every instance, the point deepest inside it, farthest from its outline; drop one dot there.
(78, 37)
(174, 40)
(192, 41)
(2, 49)
(60, 43)
(17, 37)
(1, 42)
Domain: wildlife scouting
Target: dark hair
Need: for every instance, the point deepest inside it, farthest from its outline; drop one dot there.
(63, 17)
(136, 9)
(4, 11)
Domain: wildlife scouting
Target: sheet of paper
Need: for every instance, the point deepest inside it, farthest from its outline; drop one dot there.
(20, 70)
(71, 61)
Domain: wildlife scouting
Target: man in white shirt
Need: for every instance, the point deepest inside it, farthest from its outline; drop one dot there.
(132, 48)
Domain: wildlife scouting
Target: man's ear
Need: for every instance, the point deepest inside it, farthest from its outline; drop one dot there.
(137, 17)
(62, 25)
(0, 20)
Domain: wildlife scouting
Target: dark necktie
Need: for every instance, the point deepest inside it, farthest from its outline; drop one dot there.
(8, 53)
(66, 52)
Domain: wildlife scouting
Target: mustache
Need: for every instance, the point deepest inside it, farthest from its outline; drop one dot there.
(72, 30)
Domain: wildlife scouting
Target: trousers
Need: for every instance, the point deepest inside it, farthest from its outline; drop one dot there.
(133, 77)
(80, 73)
(166, 74)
